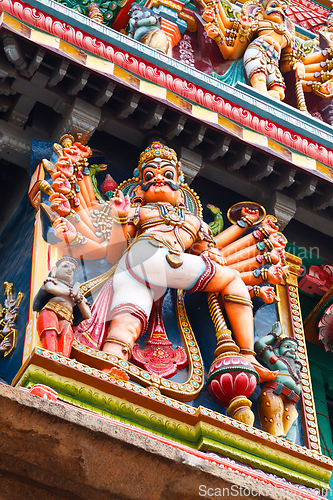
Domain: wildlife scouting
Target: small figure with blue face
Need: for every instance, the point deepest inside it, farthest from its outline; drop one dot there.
(277, 401)
(145, 27)
(142, 20)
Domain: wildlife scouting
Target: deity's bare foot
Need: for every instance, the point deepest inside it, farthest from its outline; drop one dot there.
(117, 373)
(276, 273)
(265, 375)
(278, 256)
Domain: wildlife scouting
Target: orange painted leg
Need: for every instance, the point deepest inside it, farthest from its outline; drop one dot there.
(277, 92)
(47, 328)
(290, 415)
(258, 81)
(228, 282)
(66, 338)
(126, 328)
(49, 340)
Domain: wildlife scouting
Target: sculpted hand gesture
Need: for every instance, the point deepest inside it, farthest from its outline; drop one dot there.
(208, 15)
(64, 230)
(65, 166)
(121, 205)
(276, 274)
(267, 294)
(269, 225)
(60, 204)
(299, 69)
(278, 256)
(245, 21)
(5, 345)
(278, 240)
(214, 254)
(212, 31)
(60, 183)
(76, 289)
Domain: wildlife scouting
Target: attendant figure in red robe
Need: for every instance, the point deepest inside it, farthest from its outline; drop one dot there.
(56, 303)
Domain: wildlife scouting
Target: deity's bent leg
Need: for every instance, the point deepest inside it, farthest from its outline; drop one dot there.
(261, 63)
(124, 330)
(275, 82)
(47, 327)
(144, 273)
(142, 276)
(255, 65)
(238, 306)
(290, 415)
(65, 338)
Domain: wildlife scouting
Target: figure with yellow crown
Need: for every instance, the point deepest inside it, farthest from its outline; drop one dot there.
(263, 35)
(153, 232)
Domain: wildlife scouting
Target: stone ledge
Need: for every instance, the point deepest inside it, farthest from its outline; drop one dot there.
(56, 450)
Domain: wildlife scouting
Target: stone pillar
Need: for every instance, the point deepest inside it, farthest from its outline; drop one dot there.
(283, 208)
(81, 118)
(191, 164)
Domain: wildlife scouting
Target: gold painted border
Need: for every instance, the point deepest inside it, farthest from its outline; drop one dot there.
(289, 314)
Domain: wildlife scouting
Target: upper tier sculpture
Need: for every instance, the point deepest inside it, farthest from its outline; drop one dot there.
(266, 37)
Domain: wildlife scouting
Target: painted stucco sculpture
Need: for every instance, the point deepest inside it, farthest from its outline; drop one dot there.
(277, 401)
(145, 27)
(325, 326)
(231, 379)
(158, 223)
(55, 304)
(163, 232)
(8, 316)
(265, 37)
(159, 356)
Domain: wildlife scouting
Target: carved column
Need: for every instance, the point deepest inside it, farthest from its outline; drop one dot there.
(191, 164)
(283, 208)
(81, 117)
(14, 145)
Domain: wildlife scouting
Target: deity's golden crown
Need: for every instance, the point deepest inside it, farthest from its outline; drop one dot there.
(157, 150)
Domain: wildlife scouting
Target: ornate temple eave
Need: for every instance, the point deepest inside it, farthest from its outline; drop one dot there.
(232, 145)
(211, 98)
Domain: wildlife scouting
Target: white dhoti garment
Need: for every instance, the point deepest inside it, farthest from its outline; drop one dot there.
(143, 274)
